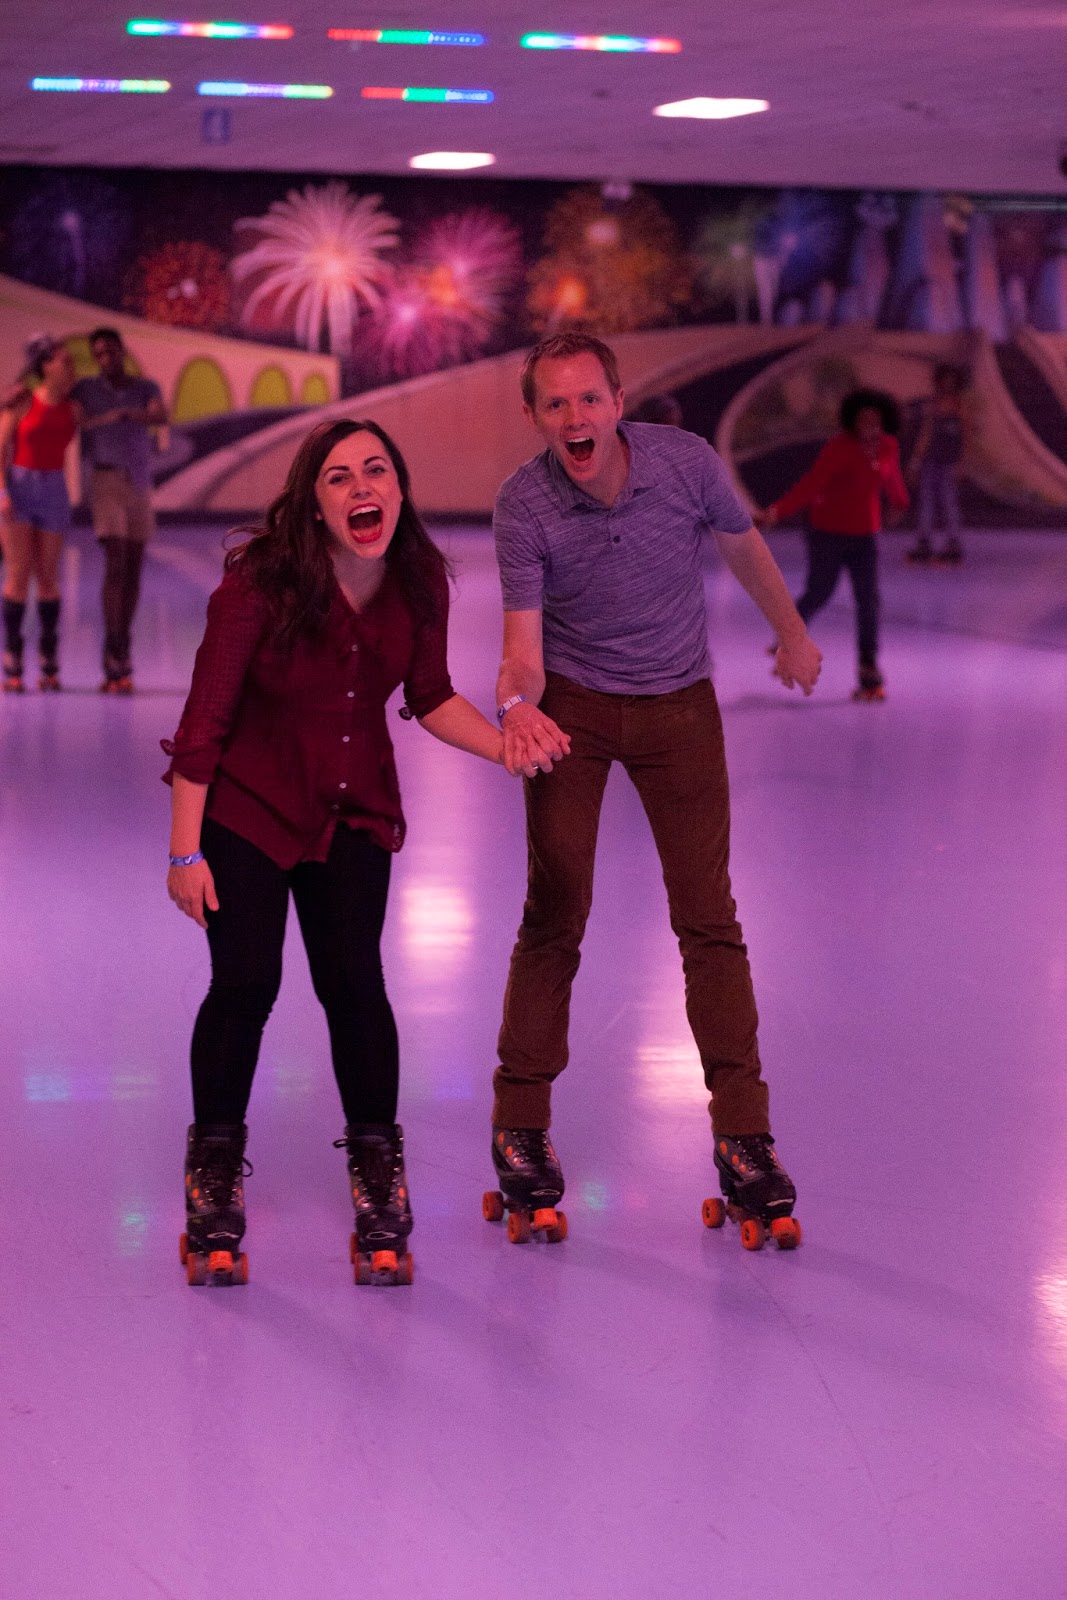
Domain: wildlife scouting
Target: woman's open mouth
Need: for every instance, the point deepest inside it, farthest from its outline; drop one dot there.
(580, 449)
(365, 524)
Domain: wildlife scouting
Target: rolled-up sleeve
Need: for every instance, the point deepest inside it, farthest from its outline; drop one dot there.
(520, 553)
(237, 618)
(427, 684)
(722, 509)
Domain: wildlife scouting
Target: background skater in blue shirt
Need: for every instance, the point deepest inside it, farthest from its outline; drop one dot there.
(117, 449)
(606, 659)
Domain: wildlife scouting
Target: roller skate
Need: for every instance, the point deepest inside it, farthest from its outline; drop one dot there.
(378, 1248)
(871, 685)
(531, 1185)
(920, 554)
(758, 1192)
(951, 555)
(13, 679)
(48, 679)
(119, 685)
(210, 1247)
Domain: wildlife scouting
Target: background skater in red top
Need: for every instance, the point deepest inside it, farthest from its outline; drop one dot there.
(843, 493)
(35, 430)
(284, 782)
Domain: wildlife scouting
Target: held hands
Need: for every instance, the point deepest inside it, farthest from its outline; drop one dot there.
(798, 661)
(193, 891)
(532, 742)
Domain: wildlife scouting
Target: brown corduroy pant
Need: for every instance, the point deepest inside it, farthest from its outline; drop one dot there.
(671, 747)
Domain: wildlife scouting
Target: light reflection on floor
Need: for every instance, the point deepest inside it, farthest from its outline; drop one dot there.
(645, 1411)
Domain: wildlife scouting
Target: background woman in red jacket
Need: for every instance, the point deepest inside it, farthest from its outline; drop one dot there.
(284, 783)
(843, 495)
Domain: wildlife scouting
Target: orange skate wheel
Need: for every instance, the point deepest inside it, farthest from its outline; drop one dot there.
(753, 1233)
(405, 1272)
(183, 1248)
(362, 1270)
(543, 1219)
(493, 1205)
(519, 1229)
(353, 1249)
(220, 1264)
(383, 1261)
(713, 1212)
(196, 1270)
(240, 1271)
(785, 1231)
(557, 1234)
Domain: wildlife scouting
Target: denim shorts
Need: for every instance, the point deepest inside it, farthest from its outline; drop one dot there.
(39, 498)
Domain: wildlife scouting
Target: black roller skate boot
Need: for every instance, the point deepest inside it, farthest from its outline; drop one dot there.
(920, 554)
(951, 555)
(531, 1186)
(381, 1200)
(215, 1166)
(871, 685)
(14, 611)
(759, 1193)
(48, 646)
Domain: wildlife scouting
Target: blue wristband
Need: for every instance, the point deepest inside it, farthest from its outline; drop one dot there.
(187, 861)
(502, 711)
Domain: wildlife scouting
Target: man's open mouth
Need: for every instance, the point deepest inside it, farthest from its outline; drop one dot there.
(365, 524)
(580, 449)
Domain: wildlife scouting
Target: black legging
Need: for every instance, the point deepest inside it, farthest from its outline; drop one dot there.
(340, 904)
(827, 554)
(123, 559)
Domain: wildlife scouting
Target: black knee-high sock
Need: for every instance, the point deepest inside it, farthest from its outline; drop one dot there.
(14, 611)
(48, 638)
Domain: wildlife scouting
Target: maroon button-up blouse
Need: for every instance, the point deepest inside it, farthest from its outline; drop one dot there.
(293, 742)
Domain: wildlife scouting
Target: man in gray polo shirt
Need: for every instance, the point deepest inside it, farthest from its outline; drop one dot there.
(599, 541)
(117, 448)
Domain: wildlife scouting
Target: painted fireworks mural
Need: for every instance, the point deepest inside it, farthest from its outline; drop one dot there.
(403, 276)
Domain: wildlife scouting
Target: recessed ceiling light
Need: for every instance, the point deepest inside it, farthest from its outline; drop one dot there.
(452, 160)
(267, 91)
(711, 110)
(450, 97)
(401, 36)
(209, 30)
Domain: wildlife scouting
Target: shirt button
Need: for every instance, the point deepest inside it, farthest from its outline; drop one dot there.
(344, 738)
(351, 694)
(355, 647)
(335, 808)
(342, 785)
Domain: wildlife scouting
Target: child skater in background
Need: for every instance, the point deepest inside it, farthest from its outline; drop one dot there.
(843, 496)
(284, 783)
(944, 435)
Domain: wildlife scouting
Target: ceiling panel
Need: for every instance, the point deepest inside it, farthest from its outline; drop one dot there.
(911, 94)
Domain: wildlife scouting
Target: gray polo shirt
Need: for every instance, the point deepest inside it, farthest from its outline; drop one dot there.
(620, 587)
(127, 445)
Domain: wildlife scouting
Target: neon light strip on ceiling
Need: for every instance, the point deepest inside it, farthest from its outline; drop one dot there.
(599, 41)
(452, 97)
(210, 30)
(401, 36)
(268, 91)
(101, 85)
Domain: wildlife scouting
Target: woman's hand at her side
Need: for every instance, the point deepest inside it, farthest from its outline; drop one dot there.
(193, 891)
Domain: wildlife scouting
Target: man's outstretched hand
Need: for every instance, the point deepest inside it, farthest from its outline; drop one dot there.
(532, 742)
(798, 661)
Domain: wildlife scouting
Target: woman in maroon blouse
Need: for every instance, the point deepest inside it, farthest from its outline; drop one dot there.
(284, 781)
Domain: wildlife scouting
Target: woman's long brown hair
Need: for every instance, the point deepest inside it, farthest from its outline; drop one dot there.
(288, 558)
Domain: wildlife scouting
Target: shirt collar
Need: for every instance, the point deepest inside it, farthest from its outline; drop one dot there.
(641, 476)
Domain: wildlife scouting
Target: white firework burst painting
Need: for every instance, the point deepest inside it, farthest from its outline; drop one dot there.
(320, 260)
(444, 307)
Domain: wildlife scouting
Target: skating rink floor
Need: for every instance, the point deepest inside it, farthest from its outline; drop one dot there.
(646, 1411)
